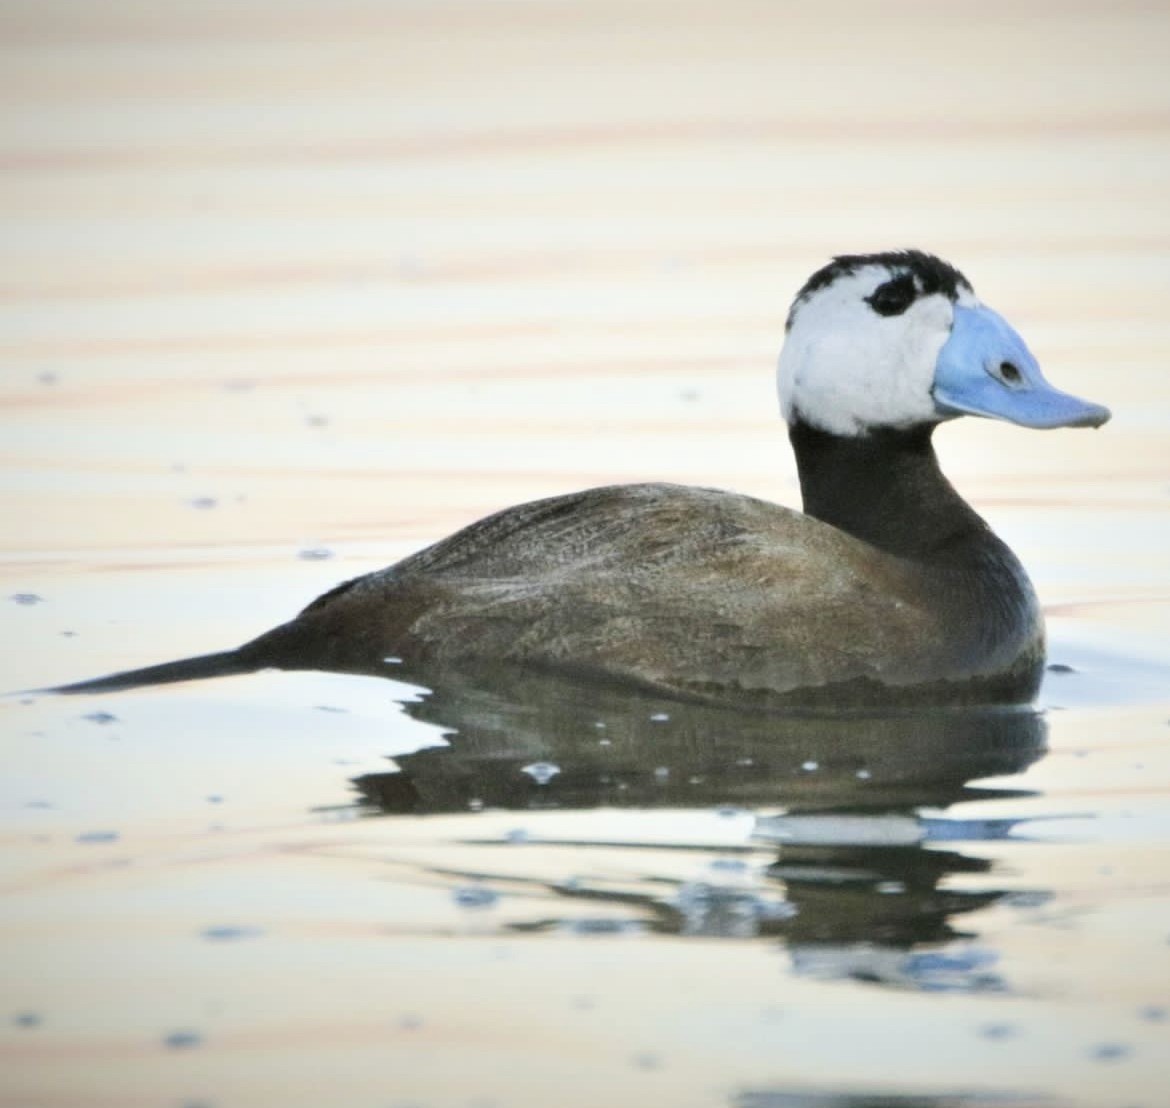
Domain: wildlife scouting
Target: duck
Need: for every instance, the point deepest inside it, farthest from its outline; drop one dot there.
(888, 589)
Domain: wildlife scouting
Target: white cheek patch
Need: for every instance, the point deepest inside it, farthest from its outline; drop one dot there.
(845, 369)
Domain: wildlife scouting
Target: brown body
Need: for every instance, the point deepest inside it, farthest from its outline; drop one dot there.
(696, 592)
(906, 598)
(887, 589)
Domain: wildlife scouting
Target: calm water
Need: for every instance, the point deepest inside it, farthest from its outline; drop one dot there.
(287, 280)
(309, 888)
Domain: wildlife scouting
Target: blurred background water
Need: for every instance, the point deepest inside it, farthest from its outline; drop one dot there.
(292, 289)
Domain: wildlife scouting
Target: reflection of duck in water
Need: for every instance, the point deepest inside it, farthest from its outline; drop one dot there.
(888, 589)
(841, 865)
(524, 740)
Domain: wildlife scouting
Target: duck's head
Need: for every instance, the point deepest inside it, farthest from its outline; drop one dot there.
(899, 340)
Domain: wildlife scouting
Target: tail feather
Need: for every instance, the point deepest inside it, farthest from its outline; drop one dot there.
(223, 664)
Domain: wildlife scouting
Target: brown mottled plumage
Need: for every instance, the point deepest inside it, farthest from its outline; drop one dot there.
(693, 591)
(888, 589)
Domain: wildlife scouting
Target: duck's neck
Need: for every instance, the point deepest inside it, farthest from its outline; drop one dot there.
(887, 489)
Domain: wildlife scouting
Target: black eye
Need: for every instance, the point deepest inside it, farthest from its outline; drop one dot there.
(894, 297)
(1009, 373)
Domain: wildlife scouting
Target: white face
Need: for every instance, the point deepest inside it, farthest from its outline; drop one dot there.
(846, 368)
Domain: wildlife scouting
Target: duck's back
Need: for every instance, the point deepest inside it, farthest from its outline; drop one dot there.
(619, 529)
(696, 591)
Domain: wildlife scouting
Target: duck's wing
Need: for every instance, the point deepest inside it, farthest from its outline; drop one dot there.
(691, 590)
(614, 526)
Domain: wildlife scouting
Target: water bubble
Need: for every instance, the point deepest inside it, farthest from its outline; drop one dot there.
(661, 774)
(203, 503)
(518, 835)
(605, 742)
(997, 1031)
(1109, 1052)
(26, 599)
(27, 1019)
(863, 775)
(729, 865)
(315, 554)
(1027, 898)
(392, 660)
(1154, 1013)
(183, 1040)
(957, 969)
(101, 717)
(660, 717)
(890, 887)
(599, 724)
(475, 804)
(810, 766)
(593, 925)
(228, 933)
(97, 837)
(541, 772)
(475, 896)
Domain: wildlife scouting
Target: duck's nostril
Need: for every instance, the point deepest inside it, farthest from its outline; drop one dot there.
(1009, 373)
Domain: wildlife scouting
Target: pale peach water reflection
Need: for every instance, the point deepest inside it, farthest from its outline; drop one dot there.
(286, 279)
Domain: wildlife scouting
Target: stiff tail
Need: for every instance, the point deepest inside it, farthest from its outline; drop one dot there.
(223, 664)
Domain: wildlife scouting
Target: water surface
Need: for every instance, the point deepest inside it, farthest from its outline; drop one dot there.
(291, 290)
